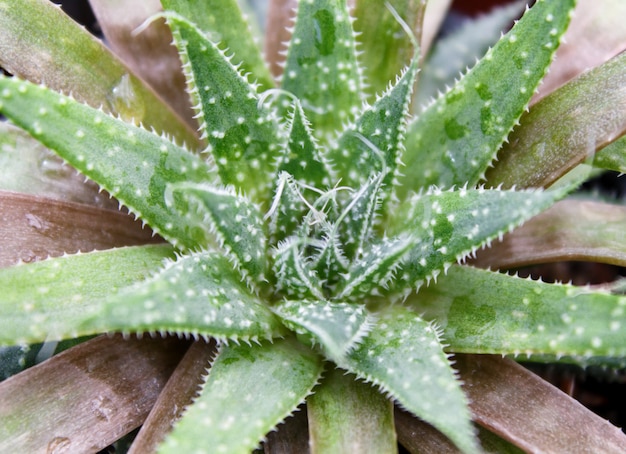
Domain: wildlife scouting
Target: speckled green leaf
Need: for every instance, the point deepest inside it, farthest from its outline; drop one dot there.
(612, 157)
(294, 276)
(486, 312)
(234, 222)
(370, 274)
(565, 128)
(403, 355)
(303, 158)
(243, 136)
(198, 294)
(360, 213)
(448, 226)
(250, 389)
(322, 68)
(374, 143)
(225, 24)
(459, 49)
(349, 416)
(386, 46)
(337, 327)
(95, 143)
(48, 300)
(42, 44)
(330, 262)
(288, 208)
(457, 137)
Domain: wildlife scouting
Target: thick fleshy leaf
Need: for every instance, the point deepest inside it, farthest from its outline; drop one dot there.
(374, 143)
(95, 143)
(40, 43)
(403, 355)
(460, 49)
(49, 299)
(594, 36)
(486, 312)
(336, 327)
(35, 228)
(387, 48)
(294, 276)
(223, 22)
(359, 217)
(29, 167)
(303, 159)
(87, 397)
(448, 226)
(570, 230)
(330, 262)
(249, 390)
(146, 48)
(457, 137)
(522, 408)
(197, 294)
(346, 415)
(371, 273)
(612, 157)
(243, 136)
(234, 221)
(322, 68)
(565, 128)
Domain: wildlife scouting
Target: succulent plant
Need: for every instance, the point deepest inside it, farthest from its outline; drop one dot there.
(315, 228)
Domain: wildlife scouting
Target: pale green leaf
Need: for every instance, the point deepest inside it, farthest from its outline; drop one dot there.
(458, 50)
(448, 226)
(198, 294)
(457, 137)
(386, 47)
(402, 354)
(95, 143)
(322, 68)
(40, 43)
(224, 23)
(234, 221)
(49, 299)
(250, 389)
(565, 128)
(337, 327)
(243, 136)
(612, 157)
(294, 276)
(486, 312)
(348, 416)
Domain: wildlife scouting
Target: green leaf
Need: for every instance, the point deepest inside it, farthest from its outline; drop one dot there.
(224, 23)
(243, 136)
(460, 49)
(349, 416)
(374, 143)
(336, 326)
(448, 226)
(294, 276)
(565, 128)
(250, 389)
(303, 159)
(403, 355)
(49, 299)
(95, 143)
(457, 137)
(486, 312)
(612, 157)
(322, 52)
(198, 294)
(385, 45)
(40, 43)
(233, 220)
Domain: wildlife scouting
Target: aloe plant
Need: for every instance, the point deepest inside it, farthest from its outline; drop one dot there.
(314, 224)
